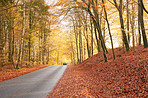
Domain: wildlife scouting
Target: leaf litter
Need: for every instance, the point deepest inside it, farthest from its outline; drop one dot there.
(126, 76)
(7, 74)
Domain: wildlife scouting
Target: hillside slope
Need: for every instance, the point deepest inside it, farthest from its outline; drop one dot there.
(124, 77)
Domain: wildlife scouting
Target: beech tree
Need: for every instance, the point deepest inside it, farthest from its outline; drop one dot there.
(19, 28)
(108, 25)
(31, 31)
(120, 10)
(95, 22)
(141, 8)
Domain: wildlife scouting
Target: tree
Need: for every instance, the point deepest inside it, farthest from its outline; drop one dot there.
(139, 21)
(142, 23)
(119, 8)
(127, 10)
(96, 24)
(133, 24)
(141, 3)
(108, 25)
(22, 37)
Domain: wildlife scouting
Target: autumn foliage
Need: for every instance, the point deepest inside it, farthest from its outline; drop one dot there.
(12, 73)
(87, 3)
(124, 77)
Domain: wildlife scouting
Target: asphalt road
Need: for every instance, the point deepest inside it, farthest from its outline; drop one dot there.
(33, 85)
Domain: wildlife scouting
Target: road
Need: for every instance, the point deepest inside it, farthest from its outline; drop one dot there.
(33, 85)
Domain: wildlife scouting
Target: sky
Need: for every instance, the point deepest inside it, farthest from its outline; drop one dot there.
(63, 22)
(50, 2)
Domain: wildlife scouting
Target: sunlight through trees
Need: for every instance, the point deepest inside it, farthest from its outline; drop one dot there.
(34, 32)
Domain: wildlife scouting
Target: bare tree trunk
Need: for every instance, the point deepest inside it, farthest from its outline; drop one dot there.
(1, 42)
(122, 24)
(142, 26)
(97, 40)
(11, 42)
(47, 56)
(141, 1)
(73, 55)
(76, 39)
(91, 37)
(108, 25)
(133, 25)
(44, 46)
(97, 24)
(40, 48)
(87, 44)
(80, 45)
(86, 36)
(22, 37)
(139, 23)
(127, 10)
(30, 28)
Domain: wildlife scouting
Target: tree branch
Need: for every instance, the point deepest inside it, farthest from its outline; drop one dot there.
(10, 6)
(115, 4)
(143, 6)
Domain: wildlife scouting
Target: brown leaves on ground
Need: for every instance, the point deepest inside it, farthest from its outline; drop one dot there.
(124, 77)
(12, 73)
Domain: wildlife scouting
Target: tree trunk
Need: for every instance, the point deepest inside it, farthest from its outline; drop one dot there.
(139, 23)
(123, 32)
(76, 39)
(39, 46)
(97, 25)
(47, 56)
(125, 41)
(127, 10)
(10, 37)
(133, 24)
(1, 42)
(30, 28)
(97, 40)
(108, 25)
(141, 1)
(142, 27)
(91, 37)
(87, 37)
(22, 37)
(80, 45)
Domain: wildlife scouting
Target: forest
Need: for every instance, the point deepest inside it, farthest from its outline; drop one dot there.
(94, 48)
(49, 32)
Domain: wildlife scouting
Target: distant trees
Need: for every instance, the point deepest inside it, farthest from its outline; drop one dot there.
(26, 38)
(24, 31)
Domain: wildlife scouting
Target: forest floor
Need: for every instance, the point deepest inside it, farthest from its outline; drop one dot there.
(8, 72)
(126, 76)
